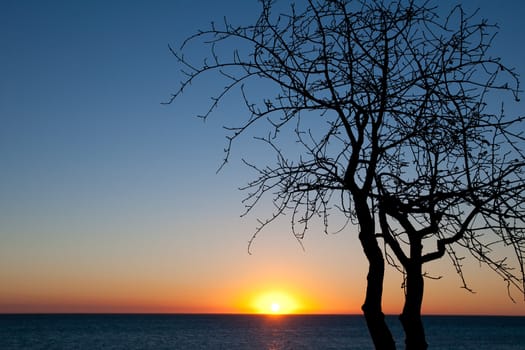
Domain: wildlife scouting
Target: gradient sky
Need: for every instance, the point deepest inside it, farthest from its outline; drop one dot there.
(110, 201)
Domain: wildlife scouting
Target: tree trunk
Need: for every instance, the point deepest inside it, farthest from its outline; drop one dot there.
(375, 319)
(411, 316)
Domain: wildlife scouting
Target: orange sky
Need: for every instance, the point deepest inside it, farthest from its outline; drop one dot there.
(278, 271)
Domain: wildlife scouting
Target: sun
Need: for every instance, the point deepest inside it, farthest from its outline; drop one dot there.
(275, 303)
(275, 307)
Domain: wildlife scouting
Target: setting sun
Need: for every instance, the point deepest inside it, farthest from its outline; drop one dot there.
(275, 303)
(276, 308)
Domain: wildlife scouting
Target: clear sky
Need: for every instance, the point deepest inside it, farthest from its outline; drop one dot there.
(110, 201)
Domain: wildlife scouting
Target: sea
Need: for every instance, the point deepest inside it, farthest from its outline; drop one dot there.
(189, 331)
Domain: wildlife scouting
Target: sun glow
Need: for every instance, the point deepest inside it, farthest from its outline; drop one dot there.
(275, 303)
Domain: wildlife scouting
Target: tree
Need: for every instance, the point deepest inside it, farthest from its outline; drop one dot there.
(375, 94)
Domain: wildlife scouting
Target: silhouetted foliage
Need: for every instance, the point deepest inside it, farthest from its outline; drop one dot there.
(387, 102)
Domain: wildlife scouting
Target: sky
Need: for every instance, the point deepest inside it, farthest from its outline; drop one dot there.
(111, 201)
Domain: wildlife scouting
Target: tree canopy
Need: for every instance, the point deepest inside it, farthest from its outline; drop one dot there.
(388, 103)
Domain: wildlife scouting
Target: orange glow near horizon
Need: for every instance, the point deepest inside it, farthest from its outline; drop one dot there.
(264, 293)
(275, 303)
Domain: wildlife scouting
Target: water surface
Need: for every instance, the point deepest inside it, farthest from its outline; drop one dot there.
(246, 332)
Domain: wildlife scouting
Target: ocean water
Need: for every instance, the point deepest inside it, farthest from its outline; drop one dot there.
(245, 332)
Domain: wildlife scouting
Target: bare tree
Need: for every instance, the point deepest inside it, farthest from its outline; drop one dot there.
(386, 103)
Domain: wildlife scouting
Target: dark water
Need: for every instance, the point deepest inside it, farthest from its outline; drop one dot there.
(245, 332)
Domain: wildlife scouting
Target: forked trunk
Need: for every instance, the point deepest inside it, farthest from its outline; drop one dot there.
(411, 316)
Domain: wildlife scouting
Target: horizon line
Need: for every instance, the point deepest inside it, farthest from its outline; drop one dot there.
(239, 314)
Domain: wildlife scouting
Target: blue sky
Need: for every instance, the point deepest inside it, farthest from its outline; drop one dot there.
(98, 179)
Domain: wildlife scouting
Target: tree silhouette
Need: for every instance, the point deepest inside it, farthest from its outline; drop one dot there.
(386, 103)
